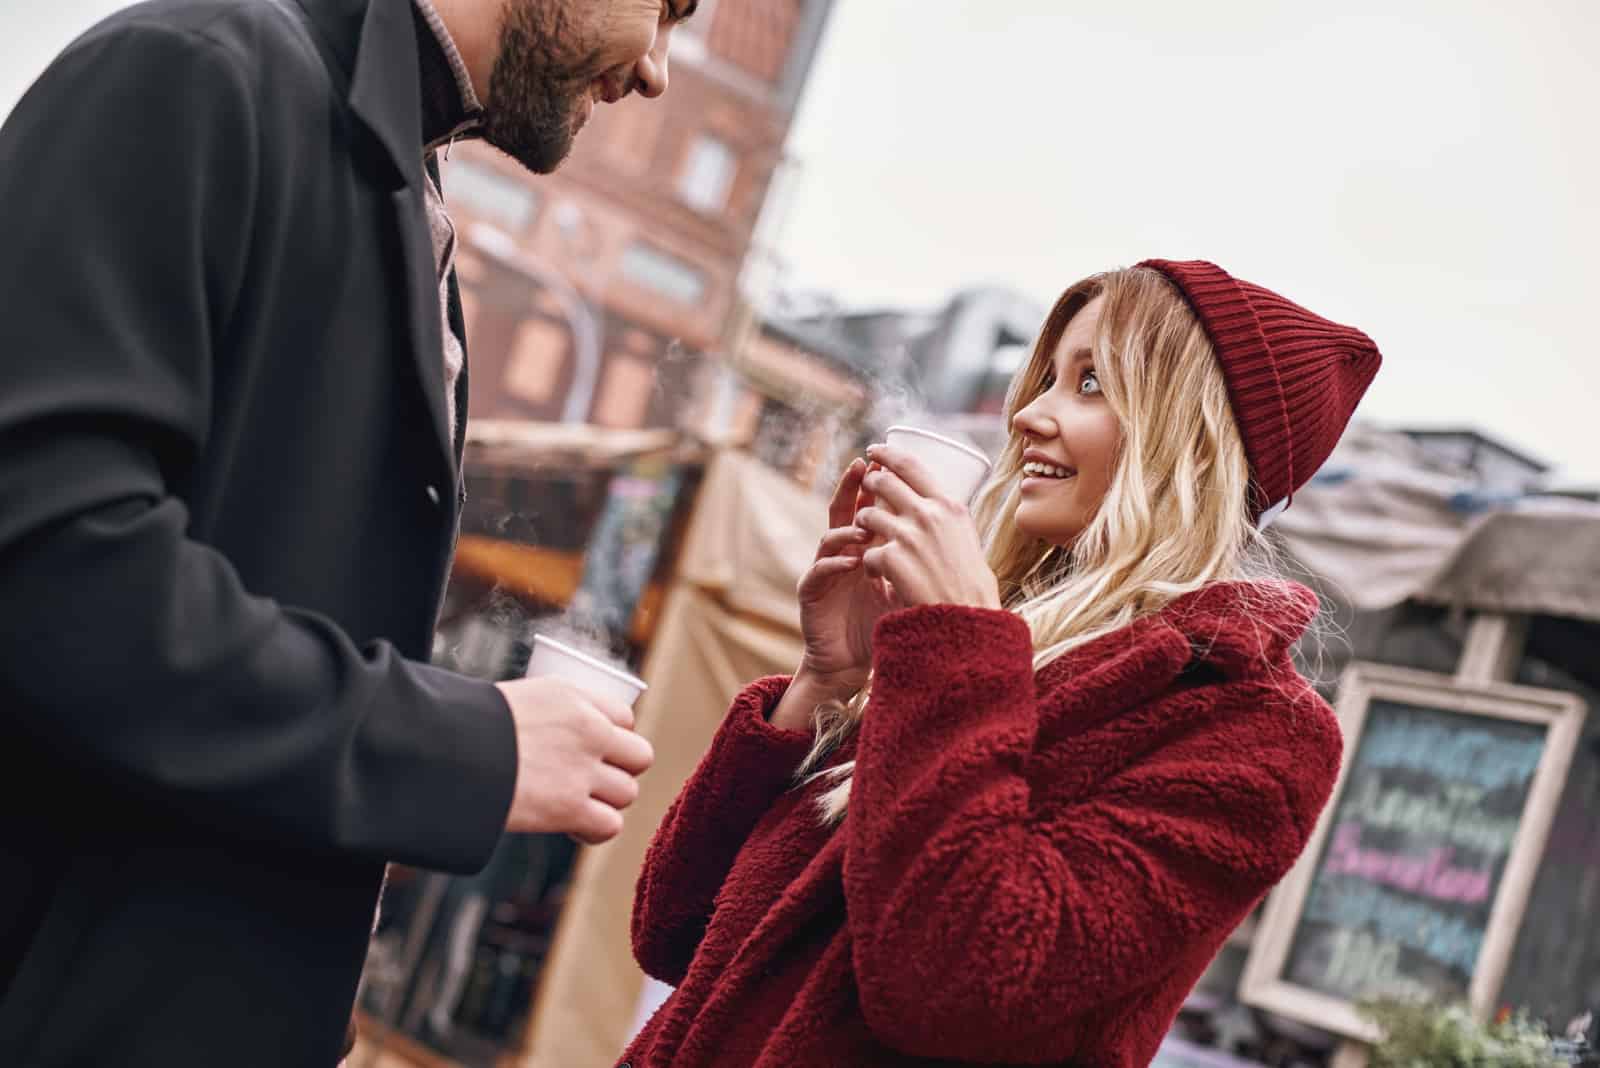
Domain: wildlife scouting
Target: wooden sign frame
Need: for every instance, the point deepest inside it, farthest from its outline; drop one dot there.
(1562, 715)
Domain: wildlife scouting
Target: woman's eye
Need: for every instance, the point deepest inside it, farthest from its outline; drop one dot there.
(1089, 383)
(1047, 382)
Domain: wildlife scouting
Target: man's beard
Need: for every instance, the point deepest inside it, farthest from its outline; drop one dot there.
(532, 110)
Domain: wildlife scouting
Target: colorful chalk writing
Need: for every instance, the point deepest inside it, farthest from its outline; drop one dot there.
(1401, 892)
(1481, 756)
(1452, 940)
(1431, 876)
(1452, 813)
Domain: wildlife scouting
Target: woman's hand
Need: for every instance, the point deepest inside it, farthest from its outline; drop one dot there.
(839, 605)
(930, 551)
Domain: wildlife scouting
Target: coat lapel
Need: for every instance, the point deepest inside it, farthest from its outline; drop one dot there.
(386, 96)
(422, 314)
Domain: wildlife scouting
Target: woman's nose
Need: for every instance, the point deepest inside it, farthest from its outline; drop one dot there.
(1032, 423)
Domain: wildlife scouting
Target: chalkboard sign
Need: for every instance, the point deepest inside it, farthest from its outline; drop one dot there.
(1420, 867)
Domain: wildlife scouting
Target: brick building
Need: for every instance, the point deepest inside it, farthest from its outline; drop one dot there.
(591, 293)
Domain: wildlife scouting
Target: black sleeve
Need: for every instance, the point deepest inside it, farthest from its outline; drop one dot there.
(127, 180)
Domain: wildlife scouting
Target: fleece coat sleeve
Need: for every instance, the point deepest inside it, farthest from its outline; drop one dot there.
(986, 908)
(749, 764)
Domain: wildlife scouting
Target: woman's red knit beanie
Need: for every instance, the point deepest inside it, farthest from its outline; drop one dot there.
(1294, 377)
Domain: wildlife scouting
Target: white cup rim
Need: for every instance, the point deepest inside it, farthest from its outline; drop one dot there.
(594, 662)
(952, 442)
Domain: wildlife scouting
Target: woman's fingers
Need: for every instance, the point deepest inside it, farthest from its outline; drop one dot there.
(881, 522)
(880, 560)
(835, 565)
(893, 491)
(864, 499)
(840, 540)
(817, 580)
(845, 494)
(911, 470)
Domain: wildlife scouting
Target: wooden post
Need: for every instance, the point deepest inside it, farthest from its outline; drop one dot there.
(1490, 654)
(1493, 648)
(1349, 1055)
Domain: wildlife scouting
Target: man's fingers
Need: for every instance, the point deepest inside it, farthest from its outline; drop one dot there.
(596, 822)
(628, 751)
(614, 786)
(840, 508)
(617, 712)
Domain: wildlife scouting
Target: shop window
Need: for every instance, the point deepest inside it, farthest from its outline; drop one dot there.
(538, 355)
(667, 275)
(707, 175)
(625, 392)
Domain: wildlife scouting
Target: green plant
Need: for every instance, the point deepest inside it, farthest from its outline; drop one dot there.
(1421, 1034)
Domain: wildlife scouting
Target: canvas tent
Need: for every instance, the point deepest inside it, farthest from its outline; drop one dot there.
(729, 617)
(1383, 523)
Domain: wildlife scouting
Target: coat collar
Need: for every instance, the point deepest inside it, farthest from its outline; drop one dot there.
(1225, 631)
(1231, 627)
(374, 43)
(450, 106)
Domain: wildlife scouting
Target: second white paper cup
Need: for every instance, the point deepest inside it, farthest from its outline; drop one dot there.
(959, 469)
(589, 674)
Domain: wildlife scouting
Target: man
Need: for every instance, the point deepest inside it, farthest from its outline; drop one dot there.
(231, 408)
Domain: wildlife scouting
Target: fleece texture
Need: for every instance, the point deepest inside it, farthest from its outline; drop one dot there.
(1035, 867)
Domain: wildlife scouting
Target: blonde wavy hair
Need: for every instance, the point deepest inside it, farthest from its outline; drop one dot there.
(1176, 517)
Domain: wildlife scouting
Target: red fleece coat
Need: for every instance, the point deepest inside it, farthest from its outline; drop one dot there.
(1034, 868)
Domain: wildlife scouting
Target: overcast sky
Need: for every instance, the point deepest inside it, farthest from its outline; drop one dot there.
(1428, 171)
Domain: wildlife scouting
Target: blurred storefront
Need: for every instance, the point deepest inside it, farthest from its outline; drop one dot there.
(565, 524)
(1439, 553)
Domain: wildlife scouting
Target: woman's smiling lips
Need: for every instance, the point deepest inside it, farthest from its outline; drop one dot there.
(1038, 469)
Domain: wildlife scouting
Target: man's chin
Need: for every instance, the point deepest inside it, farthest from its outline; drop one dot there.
(540, 157)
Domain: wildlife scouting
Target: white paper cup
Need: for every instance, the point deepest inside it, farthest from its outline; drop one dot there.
(958, 469)
(593, 676)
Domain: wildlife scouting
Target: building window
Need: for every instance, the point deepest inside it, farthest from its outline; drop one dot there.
(625, 394)
(707, 175)
(493, 197)
(655, 270)
(538, 356)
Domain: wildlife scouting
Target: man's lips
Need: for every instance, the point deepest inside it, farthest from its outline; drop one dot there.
(611, 89)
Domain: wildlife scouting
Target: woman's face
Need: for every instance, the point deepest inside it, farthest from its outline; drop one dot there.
(1070, 439)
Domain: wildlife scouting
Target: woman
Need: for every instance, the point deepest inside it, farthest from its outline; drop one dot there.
(1048, 757)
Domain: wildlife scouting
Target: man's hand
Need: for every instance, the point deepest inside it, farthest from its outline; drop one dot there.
(577, 760)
